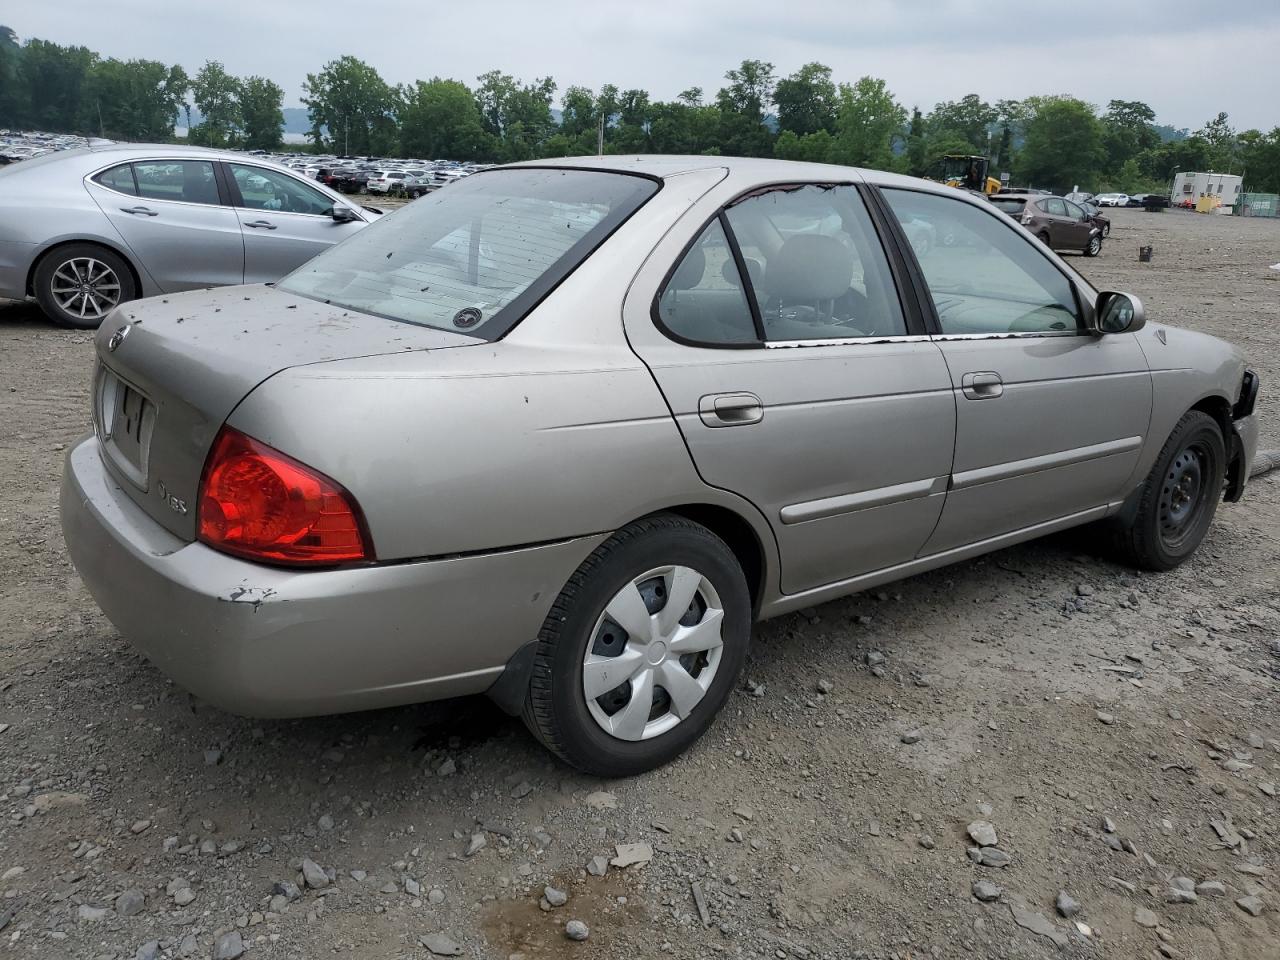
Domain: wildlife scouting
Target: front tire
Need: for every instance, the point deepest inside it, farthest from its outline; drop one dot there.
(1094, 247)
(79, 284)
(1177, 501)
(641, 648)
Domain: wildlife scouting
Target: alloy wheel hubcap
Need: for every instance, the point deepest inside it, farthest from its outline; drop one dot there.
(654, 653)
(85, 287)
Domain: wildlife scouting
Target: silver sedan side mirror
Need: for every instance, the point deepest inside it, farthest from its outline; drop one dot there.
(1119, 313)
(343, 214)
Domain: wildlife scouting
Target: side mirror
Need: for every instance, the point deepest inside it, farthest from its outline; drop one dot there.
(1119, 313)
(343, 214)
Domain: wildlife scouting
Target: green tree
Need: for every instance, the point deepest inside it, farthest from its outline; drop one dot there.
(1260, 156)
(869, 123)
(1221, 138)
(516, 116)
(742, 110)
(578, 114)
(968, 119)
(352, 109)
(217, 95)
(917, 147)
(51, 85)
(440, 120)
(1127, 130)
(1063, 144)
(261, 101)
(136, 99)
(807, 100)
(11, 104)
(810, 148)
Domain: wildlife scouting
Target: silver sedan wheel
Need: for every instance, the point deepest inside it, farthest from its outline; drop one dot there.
(85, 287)
(653, 653)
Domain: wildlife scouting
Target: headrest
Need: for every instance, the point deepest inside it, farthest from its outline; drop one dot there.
(689, 274)
(729, 272)
(809, 266)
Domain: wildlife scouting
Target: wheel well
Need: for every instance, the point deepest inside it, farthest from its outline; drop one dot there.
(738, 535)
(1220, 409)
(35, 265)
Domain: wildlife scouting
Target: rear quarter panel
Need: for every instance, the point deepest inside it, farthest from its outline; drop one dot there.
(556, 431)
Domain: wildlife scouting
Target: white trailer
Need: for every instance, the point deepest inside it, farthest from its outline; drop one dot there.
(1188, 188)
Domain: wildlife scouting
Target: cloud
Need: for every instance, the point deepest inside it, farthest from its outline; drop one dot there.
(1188, 61)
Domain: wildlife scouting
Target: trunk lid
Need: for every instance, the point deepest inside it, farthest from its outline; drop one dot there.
(170, 371)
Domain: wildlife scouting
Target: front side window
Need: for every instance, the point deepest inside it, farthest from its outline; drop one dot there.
(119, 179)
(185, 181)
(476, 257)
(264, 189)
(1073, 211)
(989, 279)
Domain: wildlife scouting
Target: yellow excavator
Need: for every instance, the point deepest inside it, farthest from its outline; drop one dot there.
(965, 173)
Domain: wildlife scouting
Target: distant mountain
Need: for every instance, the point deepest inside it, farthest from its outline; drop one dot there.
(296, 120)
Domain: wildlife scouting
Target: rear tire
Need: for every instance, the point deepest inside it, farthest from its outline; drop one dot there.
(1043, 237)
(649, 562)
(1177, 501)
(79, 284)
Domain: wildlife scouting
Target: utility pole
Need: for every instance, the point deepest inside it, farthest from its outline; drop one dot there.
(600, 137)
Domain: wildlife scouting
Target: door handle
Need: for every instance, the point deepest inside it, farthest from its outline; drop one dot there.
(986, 385)
(261, 224)
(730, 409)
(139, 211)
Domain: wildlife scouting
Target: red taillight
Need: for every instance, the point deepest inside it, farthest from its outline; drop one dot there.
(258, 503)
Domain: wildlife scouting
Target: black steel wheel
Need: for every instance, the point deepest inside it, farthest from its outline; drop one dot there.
(1171, 512)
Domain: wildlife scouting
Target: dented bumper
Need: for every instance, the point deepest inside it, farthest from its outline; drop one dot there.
(264, 641)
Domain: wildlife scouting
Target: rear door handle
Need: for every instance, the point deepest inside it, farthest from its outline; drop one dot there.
(139, 211)
(986, 385)
(261, 224)
(730, 409)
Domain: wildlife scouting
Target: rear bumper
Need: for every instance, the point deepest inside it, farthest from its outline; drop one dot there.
(268, 642)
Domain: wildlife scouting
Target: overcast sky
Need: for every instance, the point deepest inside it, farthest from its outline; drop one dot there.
(1187, 59)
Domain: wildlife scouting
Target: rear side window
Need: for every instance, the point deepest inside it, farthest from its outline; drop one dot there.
(477, 256)
(1055, 206)
(184, 181)
(704, 300)
(816, 265)
(119, 179)
(814, 270)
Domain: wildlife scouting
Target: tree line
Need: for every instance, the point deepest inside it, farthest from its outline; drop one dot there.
(1046, 141)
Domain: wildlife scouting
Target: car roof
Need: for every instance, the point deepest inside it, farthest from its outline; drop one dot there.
(743, 169)
(104, 153)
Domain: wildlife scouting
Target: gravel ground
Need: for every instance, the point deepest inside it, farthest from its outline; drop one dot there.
(1099, 732)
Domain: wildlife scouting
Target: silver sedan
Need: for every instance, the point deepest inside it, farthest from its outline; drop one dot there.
(85, 230)
(562, 432)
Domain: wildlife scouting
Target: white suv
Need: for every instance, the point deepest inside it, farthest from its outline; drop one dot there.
(386, 180)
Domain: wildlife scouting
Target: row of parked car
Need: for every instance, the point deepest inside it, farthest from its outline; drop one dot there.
(16, 145)
(373, 175)
(1148, 200)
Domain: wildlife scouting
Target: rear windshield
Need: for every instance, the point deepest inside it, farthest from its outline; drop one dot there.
(477, 256)
(1009, 204)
